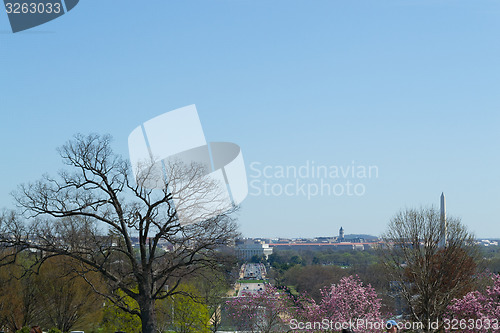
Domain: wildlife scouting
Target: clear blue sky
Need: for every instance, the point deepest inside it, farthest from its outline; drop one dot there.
(409, 86)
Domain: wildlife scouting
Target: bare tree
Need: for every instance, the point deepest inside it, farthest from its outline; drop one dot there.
(121, 228)
(424, 274)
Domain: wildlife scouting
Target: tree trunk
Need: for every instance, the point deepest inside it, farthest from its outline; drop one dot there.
(148, 318)
(147, 305)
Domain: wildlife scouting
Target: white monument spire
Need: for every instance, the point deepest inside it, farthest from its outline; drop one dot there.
(444, 224)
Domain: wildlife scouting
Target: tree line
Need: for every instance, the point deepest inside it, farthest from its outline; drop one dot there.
(55, 297)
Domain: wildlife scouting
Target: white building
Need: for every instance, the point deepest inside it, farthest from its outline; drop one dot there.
(249, 248)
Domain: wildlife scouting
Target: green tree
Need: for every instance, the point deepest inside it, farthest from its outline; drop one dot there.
(311, 279)
(186, 311)
(213, 291)
(116, 319)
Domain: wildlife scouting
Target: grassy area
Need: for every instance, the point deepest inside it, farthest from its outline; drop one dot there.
(293, 291)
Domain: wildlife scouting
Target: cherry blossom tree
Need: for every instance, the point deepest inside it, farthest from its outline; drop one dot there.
(477, 311)
(348, 304)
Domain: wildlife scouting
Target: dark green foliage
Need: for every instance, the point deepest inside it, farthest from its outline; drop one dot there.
(25, 329)
(54, 330)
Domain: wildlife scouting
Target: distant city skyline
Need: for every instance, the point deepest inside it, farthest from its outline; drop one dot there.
(405, 88)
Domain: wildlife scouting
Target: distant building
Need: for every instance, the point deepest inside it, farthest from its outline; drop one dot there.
(345, 246)
(351, 246)
(324, 240)
(341, 235)
(248, 248)
(487, 242)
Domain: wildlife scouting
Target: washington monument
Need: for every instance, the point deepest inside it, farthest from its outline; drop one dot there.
(444, 226)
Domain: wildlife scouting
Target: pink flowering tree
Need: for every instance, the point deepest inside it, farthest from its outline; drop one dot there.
(348, 304)
(344, 303)
(262, 311)
(476, 312)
